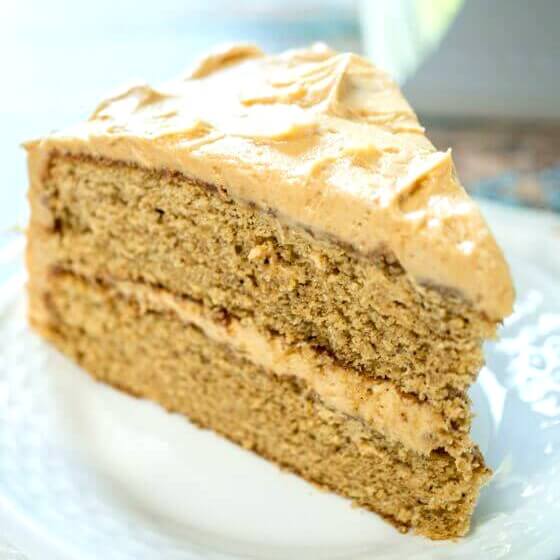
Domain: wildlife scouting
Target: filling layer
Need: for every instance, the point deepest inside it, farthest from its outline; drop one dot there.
(400, 417)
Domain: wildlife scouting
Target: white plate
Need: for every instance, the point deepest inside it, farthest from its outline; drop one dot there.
(89, 473)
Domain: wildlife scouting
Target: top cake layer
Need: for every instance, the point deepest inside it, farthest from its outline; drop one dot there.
(323, 139)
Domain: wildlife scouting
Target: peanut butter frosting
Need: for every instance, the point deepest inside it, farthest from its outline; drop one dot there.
(323, 139)
(400, 418)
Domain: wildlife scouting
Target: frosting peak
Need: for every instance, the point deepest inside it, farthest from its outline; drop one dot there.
(221, 57)
(326, 140)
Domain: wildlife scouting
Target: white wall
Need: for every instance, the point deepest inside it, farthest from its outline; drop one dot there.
(500, 58)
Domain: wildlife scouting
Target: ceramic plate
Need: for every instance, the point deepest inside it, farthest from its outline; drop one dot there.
(89, 473)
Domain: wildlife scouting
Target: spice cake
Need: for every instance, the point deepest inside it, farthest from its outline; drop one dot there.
(271, 246)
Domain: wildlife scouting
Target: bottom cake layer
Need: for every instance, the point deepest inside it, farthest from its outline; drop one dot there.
(154, 355)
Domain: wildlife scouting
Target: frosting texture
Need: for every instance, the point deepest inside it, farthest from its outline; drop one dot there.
(325, 139)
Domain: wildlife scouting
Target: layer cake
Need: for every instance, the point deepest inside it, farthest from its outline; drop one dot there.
(271, 246)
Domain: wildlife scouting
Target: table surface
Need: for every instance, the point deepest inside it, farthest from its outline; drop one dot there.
(517, 163)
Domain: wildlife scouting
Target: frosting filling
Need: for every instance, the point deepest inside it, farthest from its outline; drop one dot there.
(402, 418)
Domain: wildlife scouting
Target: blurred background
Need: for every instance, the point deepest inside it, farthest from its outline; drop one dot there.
(483, 75)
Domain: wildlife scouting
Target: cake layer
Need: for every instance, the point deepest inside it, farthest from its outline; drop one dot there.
(324, 140)
(155, 354)
(119, 222)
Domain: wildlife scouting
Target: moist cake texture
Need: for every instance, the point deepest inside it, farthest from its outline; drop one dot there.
(271, 246)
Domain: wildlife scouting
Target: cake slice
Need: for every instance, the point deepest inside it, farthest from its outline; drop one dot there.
(271, 246)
